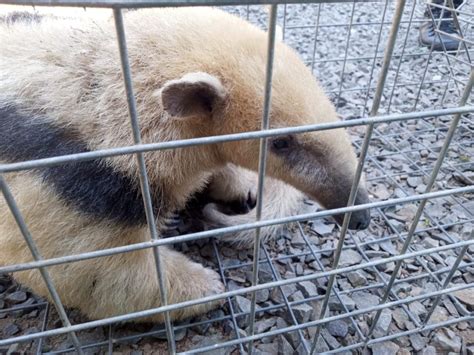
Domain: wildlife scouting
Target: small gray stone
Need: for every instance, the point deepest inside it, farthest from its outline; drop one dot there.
(397, 225)
(338, 328)
(417, 308)
(440, 314)
(10, 330)
(301, 350)
(381, 328)
(330, 340)
(417, 341)
(202, 341)
(430, 242)
(322, 228)
(284, 347)
(364, 299)
(357, 278)
(389, 247)
(349, 257)
(321, 346)
(385, 348)
(297, 240)
(381, 192)
(262, 295)
(335, 304)
(302, 312)
(317, 308)
(277, 297)
(447, 340)
(267, 349)
(297, 296)
(16, 297)
(467, 297)
(406, 213)
(264, 325)
(307, 288)
(376, 254)
(413, 181)
(242, 304)
(429, 350)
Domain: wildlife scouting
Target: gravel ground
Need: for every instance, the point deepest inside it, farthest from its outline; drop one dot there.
(401, 157)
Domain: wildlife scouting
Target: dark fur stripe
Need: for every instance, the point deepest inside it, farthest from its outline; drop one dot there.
(91, 187)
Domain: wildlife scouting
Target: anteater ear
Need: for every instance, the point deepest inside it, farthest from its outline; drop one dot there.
(194, 95)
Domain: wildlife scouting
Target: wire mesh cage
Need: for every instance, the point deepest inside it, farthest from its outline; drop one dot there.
(404, 285)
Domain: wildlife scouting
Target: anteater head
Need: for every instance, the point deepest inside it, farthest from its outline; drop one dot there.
(226, 96)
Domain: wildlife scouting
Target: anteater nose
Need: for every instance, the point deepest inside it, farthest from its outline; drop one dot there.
(360, 220)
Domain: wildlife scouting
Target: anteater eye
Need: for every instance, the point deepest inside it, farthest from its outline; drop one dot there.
(281, 143)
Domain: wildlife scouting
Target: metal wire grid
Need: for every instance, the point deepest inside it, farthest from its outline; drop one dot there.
(384, 282)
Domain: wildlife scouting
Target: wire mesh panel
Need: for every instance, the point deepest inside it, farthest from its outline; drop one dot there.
(404, 285)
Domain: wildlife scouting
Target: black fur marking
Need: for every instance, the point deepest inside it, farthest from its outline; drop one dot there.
(91, 187)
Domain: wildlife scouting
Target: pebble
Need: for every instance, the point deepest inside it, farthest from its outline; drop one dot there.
(447, 340)
(321, 346)
(383, 324)
(337, 305)
(302, 312)
(439, 315)
(284, 346)
(357, 278)
(389, 247)
(301, 350)
(330, 340)
(364, 299)
(385, 348)
(467, 297)
(413, 181)
(322, 228)
(307, 288)
(349, 257)
(276, 293)
(243, 305)
(381, 192)
(16, 297)
(267, 349)
(338, 328)
(298, 241)
(417, 341)
(10, 330)
(297, 296)
(200, 341)
(430, 242)
(417, 308)
(294, 338)
(429, 350)
(262, 295)
(263, 325)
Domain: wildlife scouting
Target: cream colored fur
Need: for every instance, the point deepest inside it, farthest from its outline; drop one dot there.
(99, 287)
(232, 183)
(70, 71)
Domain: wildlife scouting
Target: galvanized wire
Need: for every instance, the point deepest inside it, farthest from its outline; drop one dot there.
(277, 282)
(144, 184)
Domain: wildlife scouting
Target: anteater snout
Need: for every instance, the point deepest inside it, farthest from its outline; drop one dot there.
(360, 219)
